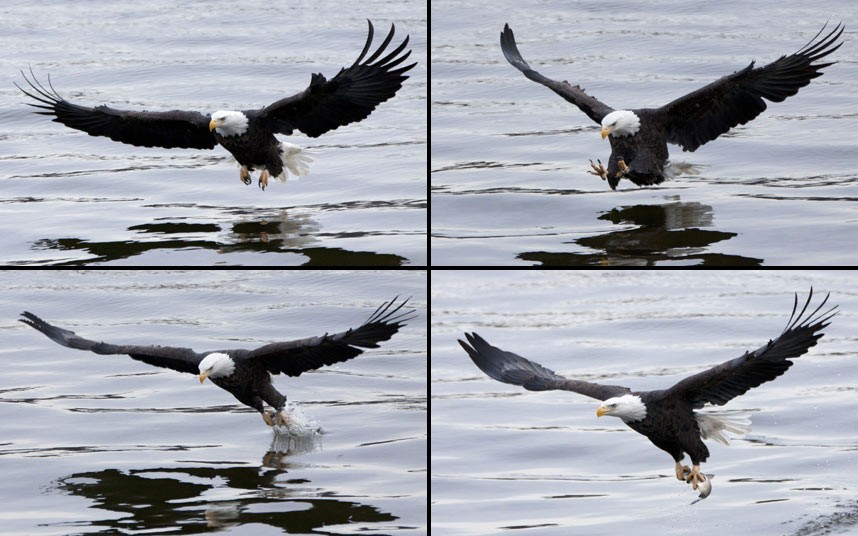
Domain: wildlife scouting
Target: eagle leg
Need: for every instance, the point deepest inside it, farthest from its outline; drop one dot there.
(695, 476)
(624, 169)
(269, 420)
(244, 175)
(263, 179)
(681, 471)
(599, 170)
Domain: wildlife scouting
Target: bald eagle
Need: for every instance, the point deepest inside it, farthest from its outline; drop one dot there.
(325, 105)
(247, 373)
(668, 417)
(639, 137)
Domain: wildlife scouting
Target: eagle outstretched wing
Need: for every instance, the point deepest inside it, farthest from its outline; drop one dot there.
(348, 97)
(735, 99)
(296, 357)
(508, 367)
(179, 359)
(595, 109)
(176, 128)
(722, 383)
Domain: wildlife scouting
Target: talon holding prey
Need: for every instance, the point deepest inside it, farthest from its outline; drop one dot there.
(694, 476)
(705, 485)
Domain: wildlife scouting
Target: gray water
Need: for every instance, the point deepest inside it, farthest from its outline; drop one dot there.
(107, 445)
(72, 199)
(510, 461)
(510, 158)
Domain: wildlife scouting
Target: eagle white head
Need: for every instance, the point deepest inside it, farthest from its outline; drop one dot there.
(627, 407)
(216, 365)
(620, 123)
(228, 123)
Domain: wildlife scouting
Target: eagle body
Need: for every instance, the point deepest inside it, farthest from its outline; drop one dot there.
(255, 149)
(672, 426)
(249, 382)
(641, 155)
(673, 419)
(247, 374)
(253, 144)
(249, 135)
(645, 152)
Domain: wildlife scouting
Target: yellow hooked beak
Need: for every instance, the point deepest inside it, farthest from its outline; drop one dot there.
(601, 411)
(203, 376)
(213, 124)
(605, 132)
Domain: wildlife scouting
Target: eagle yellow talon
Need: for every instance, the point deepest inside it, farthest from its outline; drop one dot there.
(599, 170)
(681, 471)
(624, 169)
(282, 418)
(244, 175)
(269, 420)
(694, 477)
(263, 179)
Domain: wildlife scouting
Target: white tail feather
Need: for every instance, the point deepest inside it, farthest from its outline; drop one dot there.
(713, 423)
(295, 159)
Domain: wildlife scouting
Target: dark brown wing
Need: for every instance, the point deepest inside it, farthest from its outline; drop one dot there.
(348, 97)
(180, 359)
(705, 114)
(296, 357)
(591, 106)
(176, 128)
(728, 380)
(508, 367)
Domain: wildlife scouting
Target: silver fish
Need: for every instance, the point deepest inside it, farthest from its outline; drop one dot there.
(704, 487)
